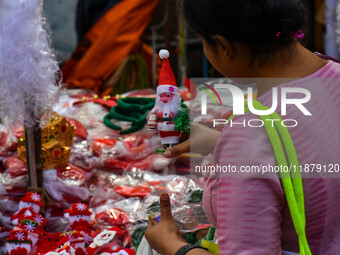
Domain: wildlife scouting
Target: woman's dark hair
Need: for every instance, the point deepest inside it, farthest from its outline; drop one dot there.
(255, 23)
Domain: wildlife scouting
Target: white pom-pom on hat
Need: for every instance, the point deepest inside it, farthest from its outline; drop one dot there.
(164, 54)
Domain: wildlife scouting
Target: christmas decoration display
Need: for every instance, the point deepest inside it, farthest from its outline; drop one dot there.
(101, 175)
(112, 183)
(167, 116)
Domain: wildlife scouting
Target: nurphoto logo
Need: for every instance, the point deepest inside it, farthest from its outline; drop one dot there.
(239, 105)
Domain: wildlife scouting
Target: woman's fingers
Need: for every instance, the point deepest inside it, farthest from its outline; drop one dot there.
(177, 150)
(165, 207)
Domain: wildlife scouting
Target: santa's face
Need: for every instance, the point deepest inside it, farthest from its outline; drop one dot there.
(22, 204)
(104, 237)
(166, 97)
(79, 218)
(18, 248)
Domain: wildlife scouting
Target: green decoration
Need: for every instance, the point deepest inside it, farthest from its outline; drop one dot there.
(211, 234)
(130, 109)
(196, 196)
(190, 238)
(137, 236)
(182, 120)
(160, 151)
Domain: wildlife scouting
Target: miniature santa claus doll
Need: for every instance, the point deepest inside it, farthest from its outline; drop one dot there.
(102, 239)
(32, 202)
(18, 243)
(167, 106)
(79, 217)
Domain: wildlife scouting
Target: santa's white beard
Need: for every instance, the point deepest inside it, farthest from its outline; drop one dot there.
(172, 106)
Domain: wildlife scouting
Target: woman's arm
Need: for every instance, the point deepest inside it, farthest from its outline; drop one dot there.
(202, 140)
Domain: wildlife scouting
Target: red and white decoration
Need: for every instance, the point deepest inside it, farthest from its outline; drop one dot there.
(79, 216)
(64, 248)
(18, 243)
(167, 105)
(100, 240)
(32, 202)
(33, 224)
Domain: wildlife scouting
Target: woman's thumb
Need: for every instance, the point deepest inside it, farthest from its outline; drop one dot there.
(165, 206)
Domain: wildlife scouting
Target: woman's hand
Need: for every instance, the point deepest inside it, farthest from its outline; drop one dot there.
(202, 140)
(164, 237)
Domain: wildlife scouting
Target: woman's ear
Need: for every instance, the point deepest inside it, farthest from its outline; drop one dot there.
(224, 46)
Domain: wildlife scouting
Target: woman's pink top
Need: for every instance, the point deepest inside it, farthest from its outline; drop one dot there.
(251, 214)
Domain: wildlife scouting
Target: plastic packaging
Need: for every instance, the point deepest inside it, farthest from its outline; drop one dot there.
(8, 142)
(15, 166)
(66, 186)
(144, 248)
(13, 186)
(82, 156)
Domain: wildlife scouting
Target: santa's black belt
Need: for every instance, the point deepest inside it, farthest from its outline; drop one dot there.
(165, 119)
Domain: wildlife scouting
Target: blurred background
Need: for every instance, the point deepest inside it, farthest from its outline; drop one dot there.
(71, 20)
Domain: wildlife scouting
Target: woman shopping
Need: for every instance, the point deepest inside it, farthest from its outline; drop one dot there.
(259, 39)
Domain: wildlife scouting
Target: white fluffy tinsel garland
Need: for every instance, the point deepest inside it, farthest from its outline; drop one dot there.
(28, 68)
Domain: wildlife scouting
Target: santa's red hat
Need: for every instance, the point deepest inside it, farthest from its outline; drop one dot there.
(121, 251)
(167, 80)
(34, 198)
(18, 236)
(116, 229)
(79, 209)
(34, 217)
(29, 225)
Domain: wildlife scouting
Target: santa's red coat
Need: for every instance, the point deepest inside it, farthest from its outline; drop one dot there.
(165, 124)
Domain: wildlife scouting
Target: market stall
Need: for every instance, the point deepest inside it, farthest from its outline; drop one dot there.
(82, 143)
(102, 167)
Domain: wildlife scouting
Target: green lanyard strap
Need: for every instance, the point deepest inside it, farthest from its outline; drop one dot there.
(291, 181)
